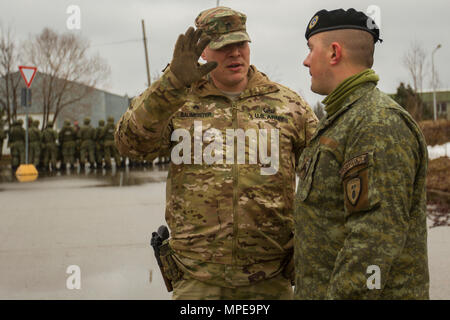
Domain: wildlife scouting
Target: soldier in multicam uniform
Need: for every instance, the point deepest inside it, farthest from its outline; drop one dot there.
(86, 136)
(231, 223)
(110, 147)
(360, 208)
(99, 143)
(16, 143)
(67, 138)
(50, 149)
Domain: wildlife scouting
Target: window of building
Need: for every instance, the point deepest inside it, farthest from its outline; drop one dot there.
(442, 107)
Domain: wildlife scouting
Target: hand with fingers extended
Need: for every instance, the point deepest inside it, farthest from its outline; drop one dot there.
(188, 49)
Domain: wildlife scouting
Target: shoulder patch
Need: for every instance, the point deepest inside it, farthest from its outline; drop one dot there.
(353, 190)
(356, 161)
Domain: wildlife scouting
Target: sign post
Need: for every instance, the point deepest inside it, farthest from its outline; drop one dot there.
(27, 172)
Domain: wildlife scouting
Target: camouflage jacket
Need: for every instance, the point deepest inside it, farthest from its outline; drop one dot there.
(35, 135)
(67, 134)
(49, 136)
(108, 132)
(16, 134)
(86, 133)
(100, 135)
(230, 223)
(361, 204)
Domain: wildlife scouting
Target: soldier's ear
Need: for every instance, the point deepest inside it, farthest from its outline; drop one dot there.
(336, 53)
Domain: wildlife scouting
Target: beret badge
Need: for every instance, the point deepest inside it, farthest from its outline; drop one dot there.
(313, 22)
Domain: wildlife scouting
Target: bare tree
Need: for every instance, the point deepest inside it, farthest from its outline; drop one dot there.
(415, 61)
(10, 79)
(68, 73)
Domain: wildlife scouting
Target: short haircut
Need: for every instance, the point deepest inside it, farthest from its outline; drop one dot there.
(358, 44)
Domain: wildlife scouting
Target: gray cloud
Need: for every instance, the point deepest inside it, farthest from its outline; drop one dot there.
(276, 28)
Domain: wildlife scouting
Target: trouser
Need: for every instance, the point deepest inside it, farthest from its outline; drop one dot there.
(276, 288)
(111, 151)
(50, 155)
(17, 154)
(34, 153)
(68, 153)
(99, 154)
(87, 147)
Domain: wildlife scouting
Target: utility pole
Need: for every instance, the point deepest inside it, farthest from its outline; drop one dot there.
(146, 54)
(434, 82)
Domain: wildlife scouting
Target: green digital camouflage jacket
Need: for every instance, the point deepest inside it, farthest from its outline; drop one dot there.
(230, 224)
(360, 207)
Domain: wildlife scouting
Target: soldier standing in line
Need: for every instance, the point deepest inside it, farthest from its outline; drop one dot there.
(16, 143)
(360, 216)
(99, 143)
(110, 147)
(77, 142)
(231, 221)
(86, 136)
(67, 138)
(2, 133)
(34, 143)
(50, 149)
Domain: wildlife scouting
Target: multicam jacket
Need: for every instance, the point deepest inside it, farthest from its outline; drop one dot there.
(360, 208)
(230, 224)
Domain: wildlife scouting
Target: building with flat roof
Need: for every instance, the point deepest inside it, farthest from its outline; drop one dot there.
(95, 103)
(442, 103)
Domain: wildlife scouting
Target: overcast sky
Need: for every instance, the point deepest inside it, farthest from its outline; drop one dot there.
(276, 28)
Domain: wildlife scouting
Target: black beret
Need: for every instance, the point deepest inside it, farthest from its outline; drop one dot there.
(325, 20)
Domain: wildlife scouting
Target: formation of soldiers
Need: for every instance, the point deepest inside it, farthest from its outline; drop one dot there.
(70, 147)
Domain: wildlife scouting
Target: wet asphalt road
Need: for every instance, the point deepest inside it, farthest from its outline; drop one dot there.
(101, 221)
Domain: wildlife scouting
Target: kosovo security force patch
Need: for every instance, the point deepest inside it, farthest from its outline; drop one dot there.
(353, 189)
(313, 22)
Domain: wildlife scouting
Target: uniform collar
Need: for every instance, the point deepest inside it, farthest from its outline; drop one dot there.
(258, 84)
(346, 105)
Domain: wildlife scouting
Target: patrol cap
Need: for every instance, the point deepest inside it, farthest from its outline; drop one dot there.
(325, 20)
(224, 26)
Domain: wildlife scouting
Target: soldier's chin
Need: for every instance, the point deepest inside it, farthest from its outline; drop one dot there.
(319, 90)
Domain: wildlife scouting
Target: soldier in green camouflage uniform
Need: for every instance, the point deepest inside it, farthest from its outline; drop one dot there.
(76, 128)
(34, 143)
(231, 221)
(110, 147)
(67, 138)
(86, 135)
(360, 216)
(100, 143)
(50, 149)
(2, 133)
(16, 143)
